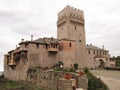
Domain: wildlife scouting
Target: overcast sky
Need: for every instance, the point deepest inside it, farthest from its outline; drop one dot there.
(22, 18)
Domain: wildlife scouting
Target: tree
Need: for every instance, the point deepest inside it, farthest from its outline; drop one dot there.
(117, 61)
(60, 63)
(76, 66)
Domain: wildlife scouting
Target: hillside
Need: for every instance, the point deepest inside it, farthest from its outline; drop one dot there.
(6, 84)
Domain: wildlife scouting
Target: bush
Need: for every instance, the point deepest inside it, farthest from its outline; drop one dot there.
(58, 69)
(86, 70)
(60, 63)
(76, 66)
(2, 76)
(95, 83)
(112, 68)
(72, 70)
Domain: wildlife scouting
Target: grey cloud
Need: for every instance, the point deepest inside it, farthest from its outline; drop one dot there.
(8, 17)
(28, 29)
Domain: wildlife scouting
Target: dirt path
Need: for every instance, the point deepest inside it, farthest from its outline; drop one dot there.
(110, 78)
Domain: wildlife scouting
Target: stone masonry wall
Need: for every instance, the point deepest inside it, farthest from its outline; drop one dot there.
(65, 84)
(53, 80)
(18, 73)
(40, 56)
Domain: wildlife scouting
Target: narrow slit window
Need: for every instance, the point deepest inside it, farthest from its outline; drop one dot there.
(70, 45)
(75, 27)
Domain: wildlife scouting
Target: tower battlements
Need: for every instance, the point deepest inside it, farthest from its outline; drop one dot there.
(70, 10)
(70, 13)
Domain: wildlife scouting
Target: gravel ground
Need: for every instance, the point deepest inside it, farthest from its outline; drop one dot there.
(110, 78)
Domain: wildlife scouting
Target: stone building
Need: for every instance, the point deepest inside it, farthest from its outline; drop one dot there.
(69, 47)
(97, 57)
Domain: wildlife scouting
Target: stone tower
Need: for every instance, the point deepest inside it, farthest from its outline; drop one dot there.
(70, 25)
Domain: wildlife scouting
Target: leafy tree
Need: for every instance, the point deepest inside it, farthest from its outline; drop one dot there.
(60, 63)
(86, 70)
(76, 66)
(117, 61)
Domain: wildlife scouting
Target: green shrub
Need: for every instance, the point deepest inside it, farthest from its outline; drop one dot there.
(95, 83)
(60, 63)
(6, 84)
(86, 70)
(2, 76)
(76, 66)
(58, 69)
(72, 70)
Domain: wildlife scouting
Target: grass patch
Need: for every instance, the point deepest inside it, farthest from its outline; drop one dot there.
(6, 84)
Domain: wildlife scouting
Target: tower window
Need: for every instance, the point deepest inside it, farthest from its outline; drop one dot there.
(80, 40)
(88, 51)
(70, 45)
(74, 27)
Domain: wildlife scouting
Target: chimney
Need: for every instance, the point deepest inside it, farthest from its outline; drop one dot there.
(103, 47)
(22, 40)
(90, 44)
(31, 37)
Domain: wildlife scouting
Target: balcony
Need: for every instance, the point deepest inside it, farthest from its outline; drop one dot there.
(52, 49)
(12, 62)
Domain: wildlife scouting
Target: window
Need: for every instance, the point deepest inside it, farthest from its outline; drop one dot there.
(26, 45)
(88, 51)
(37, 45)
(23, 54)
(94, 52)
(100, 52)
(70, 45)
(74, 27)
(46, 46)
(97, 52)
(80, 40)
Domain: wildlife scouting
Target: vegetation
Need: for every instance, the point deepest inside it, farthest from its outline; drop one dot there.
(58, 69)
(2, 76)
(117, 61)
(6, 84)
(94, 83)
(60, 63)
(113, 68)
(76, 66)
(86, 70)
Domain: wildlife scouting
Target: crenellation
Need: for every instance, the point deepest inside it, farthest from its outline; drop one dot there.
(68, 9)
